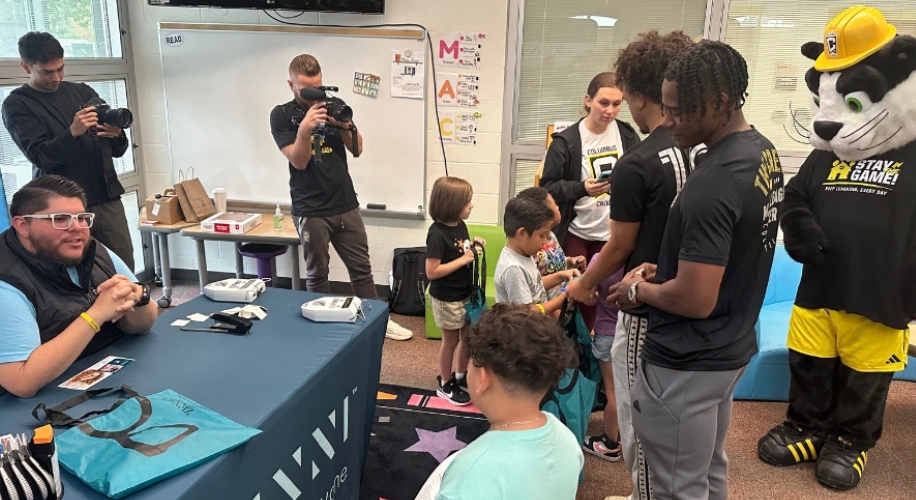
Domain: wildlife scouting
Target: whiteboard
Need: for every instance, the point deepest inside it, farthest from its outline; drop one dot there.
(221, 82)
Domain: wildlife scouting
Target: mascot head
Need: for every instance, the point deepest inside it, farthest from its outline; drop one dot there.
(863, 84)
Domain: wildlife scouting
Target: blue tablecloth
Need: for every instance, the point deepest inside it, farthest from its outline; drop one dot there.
(309, 386)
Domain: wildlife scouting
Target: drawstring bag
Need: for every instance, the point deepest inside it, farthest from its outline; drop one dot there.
(140, 440)
(572, 399)
(477, 302)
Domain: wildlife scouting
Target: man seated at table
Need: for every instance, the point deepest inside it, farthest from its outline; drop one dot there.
(65, 296)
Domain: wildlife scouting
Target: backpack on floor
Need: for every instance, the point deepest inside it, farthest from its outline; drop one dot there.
(408, 282)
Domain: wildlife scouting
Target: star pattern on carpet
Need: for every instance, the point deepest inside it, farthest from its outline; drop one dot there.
(439, 444)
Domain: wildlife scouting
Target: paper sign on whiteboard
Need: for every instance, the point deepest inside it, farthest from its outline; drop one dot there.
(407, 71)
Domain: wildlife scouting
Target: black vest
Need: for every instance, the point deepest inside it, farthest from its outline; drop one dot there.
(47, 285)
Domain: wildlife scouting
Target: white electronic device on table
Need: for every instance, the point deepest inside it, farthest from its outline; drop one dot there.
(235, 290)
(333, 309)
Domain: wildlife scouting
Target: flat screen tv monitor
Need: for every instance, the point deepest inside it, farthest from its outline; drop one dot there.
(357, 6)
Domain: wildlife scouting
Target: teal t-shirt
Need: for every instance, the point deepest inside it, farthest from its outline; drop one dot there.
(536, 464)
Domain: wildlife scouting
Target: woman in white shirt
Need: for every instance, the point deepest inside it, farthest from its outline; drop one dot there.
(573, 169)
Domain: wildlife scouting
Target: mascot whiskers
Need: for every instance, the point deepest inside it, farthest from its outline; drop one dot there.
(849, 217)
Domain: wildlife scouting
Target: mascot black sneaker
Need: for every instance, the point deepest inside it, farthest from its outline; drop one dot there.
(841, 464)
(789, 444)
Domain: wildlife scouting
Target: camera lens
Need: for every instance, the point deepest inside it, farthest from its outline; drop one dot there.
(341, 112)
(122, 117)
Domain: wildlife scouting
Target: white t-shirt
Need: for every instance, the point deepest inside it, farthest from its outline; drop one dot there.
(599, 152)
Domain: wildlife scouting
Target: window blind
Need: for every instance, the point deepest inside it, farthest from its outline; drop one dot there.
(769, 34)
(85, 28)
(567, 42)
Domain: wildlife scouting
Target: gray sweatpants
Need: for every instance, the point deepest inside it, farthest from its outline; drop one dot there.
(681, 419)
(347, 233)
(628, 339)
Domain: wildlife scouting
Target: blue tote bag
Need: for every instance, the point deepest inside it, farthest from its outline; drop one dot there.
(477, 302)
(143, 440)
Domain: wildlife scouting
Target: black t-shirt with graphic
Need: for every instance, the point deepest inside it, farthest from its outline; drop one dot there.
(643, 187)
(867, 210)
(726, 215)
(447, 243)
(322, 189)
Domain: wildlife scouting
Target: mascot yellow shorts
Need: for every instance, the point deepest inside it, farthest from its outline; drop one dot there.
(861, 344)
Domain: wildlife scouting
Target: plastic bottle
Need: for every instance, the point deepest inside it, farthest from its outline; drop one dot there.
(278, 219)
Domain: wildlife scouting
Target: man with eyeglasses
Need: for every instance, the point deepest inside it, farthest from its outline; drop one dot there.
(325, 208)
(49, 120)
(65, 296)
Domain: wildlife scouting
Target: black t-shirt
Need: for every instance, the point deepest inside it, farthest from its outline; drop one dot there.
(643, 186)
(867, 210)
(447, 243)
(322, 189)
(726, 215)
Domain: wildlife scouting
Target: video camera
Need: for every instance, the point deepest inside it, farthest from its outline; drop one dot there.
(337, 109)
(117, 117)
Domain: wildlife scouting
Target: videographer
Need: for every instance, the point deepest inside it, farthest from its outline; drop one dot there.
(51, 123)
(325, 208)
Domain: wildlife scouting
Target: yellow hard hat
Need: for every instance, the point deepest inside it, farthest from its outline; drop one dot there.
(853, 35)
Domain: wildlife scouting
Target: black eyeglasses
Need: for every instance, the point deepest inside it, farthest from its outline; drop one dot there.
(64, 221)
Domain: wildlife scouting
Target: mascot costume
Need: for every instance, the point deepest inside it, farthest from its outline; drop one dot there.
(849, 217)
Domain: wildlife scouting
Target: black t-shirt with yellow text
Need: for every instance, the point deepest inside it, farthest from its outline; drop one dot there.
(726, 215)
(322, 189)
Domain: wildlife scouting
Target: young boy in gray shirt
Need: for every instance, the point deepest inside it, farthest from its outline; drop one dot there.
(527, 225)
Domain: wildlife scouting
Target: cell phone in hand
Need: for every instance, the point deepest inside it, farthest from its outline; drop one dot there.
(604, 176)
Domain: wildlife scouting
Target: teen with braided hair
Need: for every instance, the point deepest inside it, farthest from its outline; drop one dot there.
(707, 289)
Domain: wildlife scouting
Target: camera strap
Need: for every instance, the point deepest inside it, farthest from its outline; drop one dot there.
(355, 138)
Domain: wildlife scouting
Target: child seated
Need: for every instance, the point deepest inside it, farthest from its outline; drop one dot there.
(527, 224)
(516, 356)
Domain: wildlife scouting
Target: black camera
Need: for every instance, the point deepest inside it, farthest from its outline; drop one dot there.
(337, 108)
(116, 117)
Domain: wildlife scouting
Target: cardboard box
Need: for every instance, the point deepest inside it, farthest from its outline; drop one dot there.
(230, 222)
(165, 209)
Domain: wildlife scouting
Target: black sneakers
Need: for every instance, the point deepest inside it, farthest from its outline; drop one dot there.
(451, 392)
(841, 464)
(789, 444)
(603, 447)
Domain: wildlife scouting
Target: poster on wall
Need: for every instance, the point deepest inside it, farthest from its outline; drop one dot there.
(366, 84)
(407, 74)
(458, 127)
(457, 90)
(460, 49)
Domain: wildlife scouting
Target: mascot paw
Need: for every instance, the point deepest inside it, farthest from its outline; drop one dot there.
(804, 239)
(841, 464)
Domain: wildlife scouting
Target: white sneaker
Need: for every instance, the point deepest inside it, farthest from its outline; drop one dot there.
(397, 332)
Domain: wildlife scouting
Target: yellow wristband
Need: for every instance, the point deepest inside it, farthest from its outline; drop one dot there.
(541, 308)
(92, 323)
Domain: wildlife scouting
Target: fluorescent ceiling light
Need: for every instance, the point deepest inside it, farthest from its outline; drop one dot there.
(601, 21)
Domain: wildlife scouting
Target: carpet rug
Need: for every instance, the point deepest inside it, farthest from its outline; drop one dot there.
(414, 431)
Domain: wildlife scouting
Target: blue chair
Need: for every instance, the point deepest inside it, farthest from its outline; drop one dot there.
(767, 374)
(4, 210)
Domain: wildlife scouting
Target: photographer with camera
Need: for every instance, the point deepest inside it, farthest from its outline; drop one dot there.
(312, 131)
(64, 128)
